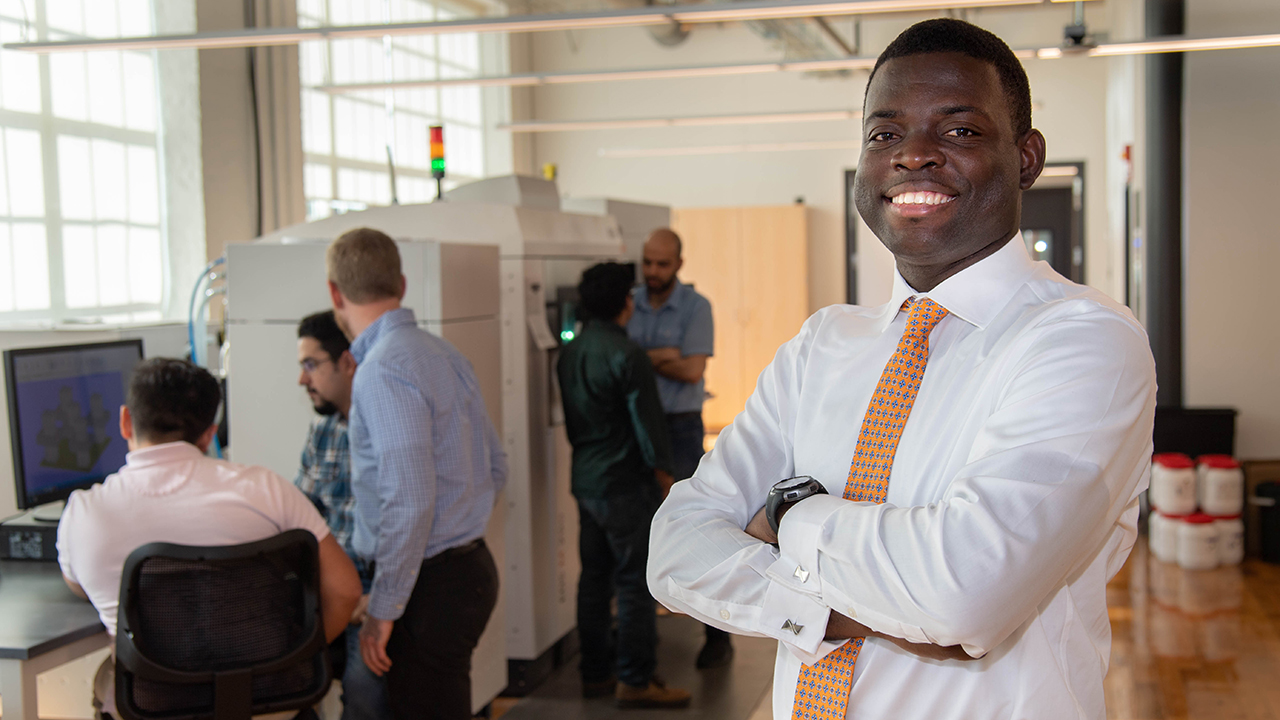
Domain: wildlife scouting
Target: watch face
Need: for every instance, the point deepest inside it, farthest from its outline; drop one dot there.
(795, 482)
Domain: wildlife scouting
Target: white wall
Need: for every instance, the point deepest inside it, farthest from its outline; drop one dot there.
(1232, 336)
(1071, 110)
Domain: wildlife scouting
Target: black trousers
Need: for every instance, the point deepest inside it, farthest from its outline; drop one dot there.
(431, 644)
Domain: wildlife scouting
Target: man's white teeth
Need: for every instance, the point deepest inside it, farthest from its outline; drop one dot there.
(922, 198)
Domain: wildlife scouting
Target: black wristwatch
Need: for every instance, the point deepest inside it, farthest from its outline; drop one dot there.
(791, 490)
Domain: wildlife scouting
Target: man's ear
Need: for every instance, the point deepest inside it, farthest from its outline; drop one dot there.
(404, 286)
(336, 296)
(207, 438)
(126, 423)
(347, 363)
(1032, 151)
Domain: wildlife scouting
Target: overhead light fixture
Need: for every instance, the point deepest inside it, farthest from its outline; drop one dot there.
(565, 78)
(1180, 44)
(652, 15)
(729, 149)
(694, 121)
(1051, 53)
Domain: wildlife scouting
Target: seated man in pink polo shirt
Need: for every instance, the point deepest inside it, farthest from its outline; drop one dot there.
(169, 491)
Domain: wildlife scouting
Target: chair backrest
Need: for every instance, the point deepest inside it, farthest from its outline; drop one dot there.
(221, 633)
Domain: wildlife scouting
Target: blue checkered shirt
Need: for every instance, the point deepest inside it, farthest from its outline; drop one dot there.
(426, 463)
(325, 477)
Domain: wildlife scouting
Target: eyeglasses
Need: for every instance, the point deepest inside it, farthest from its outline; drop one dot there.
(309, 365)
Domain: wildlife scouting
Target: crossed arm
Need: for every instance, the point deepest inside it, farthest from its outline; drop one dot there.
(1056, 463)
(669, 363)
(841, 627)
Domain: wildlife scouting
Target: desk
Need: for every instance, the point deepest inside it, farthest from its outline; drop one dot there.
(42, 625)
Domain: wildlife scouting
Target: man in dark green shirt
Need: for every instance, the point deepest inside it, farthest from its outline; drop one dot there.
(622, 467)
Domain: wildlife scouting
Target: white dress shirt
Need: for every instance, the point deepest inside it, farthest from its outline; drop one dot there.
(1012, 500)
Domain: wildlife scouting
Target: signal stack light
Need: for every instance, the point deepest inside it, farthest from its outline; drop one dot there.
(437, 159)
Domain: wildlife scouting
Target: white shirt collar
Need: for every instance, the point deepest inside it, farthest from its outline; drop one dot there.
(976, 293)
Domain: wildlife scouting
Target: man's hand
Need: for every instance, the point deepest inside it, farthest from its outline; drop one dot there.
(665, 481)
(759, 529)
(658, 356)
(362, 609)
(374, 634)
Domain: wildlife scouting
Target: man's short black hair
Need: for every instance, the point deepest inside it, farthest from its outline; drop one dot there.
(171, 400)
(943, 35)
(604, 289)
(323, 328)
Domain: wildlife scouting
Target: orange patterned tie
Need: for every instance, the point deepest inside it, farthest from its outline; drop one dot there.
(822, 692)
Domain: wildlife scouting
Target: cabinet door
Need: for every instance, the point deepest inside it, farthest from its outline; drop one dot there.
(775, 284)
(713, 264)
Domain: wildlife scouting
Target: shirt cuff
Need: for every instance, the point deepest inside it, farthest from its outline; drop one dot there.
(798, 536)
(801, 528)
(793, 612)
(387, 602)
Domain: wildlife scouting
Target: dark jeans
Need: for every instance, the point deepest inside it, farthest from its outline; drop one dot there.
(687, 434)
(431, 644)
(613, 541)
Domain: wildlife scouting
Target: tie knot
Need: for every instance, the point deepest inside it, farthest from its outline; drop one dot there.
(922, 315)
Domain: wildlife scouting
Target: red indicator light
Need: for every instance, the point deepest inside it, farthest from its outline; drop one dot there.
(437, 151)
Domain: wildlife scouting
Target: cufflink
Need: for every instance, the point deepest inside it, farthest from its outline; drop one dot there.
(788, 625)
(801, 573)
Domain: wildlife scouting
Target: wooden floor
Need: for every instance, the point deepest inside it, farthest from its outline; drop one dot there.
(1185, 646)
(1196, 645)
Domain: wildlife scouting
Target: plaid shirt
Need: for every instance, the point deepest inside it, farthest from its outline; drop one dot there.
(325, 477)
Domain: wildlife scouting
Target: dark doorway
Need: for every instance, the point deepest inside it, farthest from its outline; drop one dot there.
(1053, 219)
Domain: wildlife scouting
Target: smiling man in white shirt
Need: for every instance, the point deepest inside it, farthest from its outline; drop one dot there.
(1008, 487)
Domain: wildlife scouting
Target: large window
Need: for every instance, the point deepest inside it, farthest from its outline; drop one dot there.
(345, 136)
(80, 192)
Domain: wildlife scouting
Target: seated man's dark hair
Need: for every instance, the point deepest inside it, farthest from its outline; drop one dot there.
(603, 292)
(322, 328)
(943, 35)
(171, 400)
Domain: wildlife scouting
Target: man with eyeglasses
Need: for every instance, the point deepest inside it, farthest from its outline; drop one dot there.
(327, 369)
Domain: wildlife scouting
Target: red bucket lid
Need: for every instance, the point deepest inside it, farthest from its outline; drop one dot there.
(1198, 519)
(1219, 462)
(1175, 461)
(1168, 516)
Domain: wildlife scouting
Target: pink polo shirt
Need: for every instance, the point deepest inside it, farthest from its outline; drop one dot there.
(172, 493)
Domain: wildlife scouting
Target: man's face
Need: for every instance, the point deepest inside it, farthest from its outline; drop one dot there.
(941, 172)
(320, 374)
(661, 262)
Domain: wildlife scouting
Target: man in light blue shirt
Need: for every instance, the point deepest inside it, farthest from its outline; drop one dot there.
(426, 468)
(673, 323)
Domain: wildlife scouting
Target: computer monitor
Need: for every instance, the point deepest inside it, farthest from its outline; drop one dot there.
(64, 416)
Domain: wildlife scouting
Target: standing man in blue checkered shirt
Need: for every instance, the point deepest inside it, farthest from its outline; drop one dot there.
(326, 369)
(673, 323)
(426, 467)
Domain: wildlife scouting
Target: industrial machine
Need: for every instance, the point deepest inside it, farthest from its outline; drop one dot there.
(488, 269)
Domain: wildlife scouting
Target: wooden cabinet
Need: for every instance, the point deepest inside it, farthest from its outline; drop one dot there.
(752, 264)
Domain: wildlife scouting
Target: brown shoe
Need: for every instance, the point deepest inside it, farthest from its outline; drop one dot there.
(655, 696)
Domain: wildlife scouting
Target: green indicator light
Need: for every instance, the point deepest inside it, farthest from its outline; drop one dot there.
(567, 335)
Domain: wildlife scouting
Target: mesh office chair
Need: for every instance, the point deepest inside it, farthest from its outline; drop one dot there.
(221, 633)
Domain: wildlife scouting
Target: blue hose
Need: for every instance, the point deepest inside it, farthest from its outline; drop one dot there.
(191, 307)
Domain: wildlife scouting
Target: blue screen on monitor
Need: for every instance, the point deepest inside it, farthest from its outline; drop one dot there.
(64, 416)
